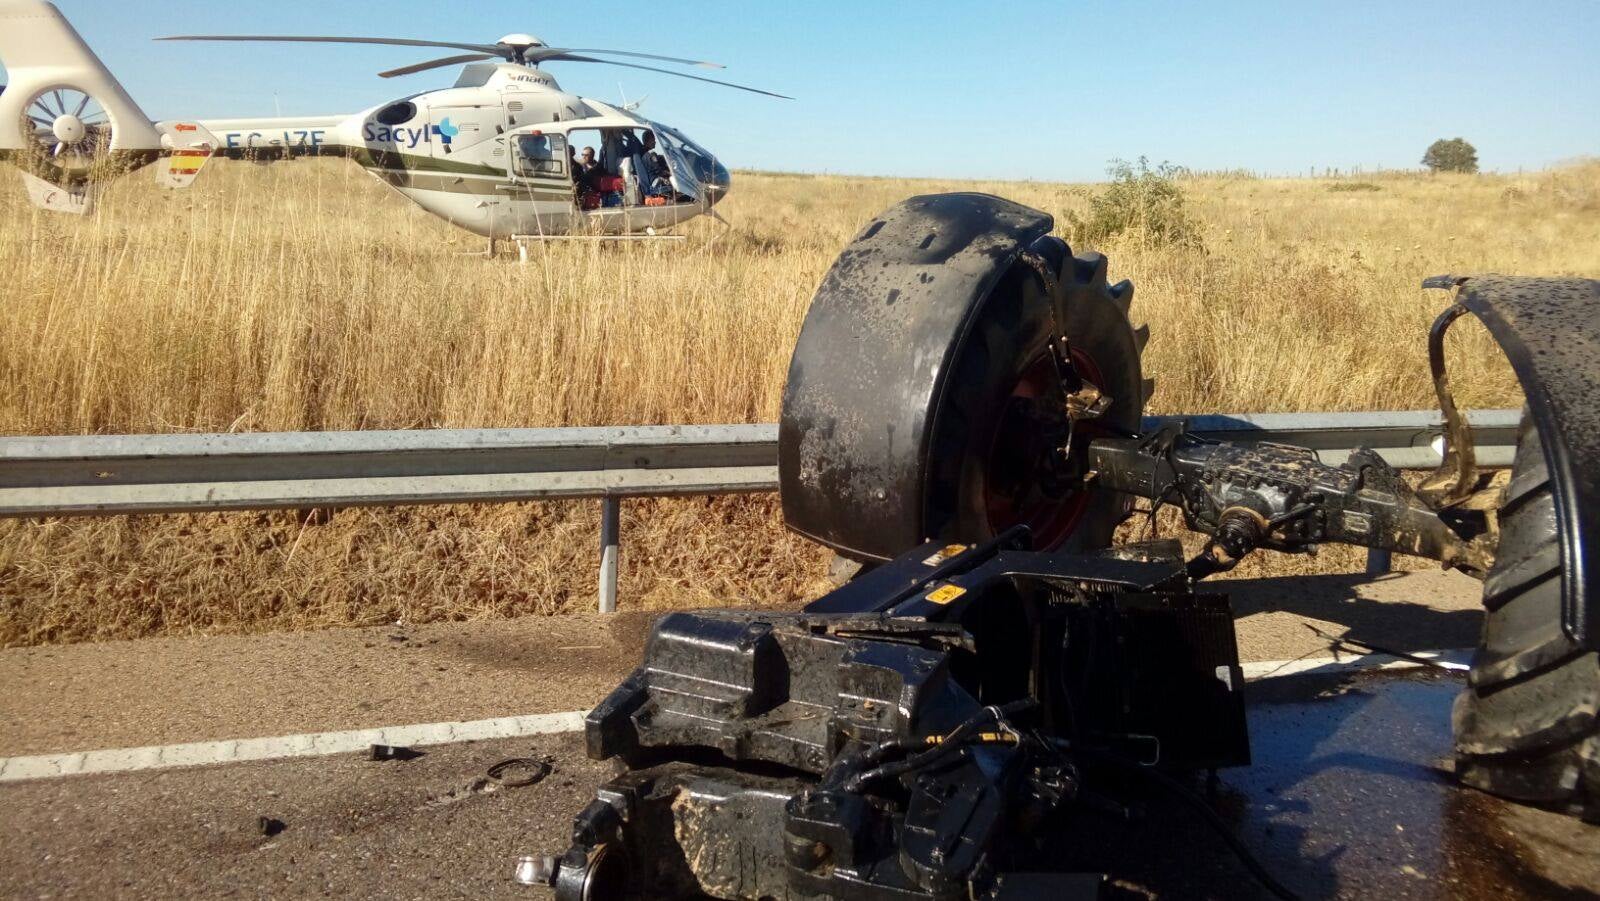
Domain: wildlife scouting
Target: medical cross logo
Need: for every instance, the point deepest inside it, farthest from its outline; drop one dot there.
(445, 131)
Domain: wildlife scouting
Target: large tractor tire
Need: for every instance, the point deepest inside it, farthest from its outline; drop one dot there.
(922, 376)
(1528, 724)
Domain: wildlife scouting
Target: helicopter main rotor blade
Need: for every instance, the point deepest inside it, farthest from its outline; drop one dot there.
(494, 49)
(574, 58)
(553, 52)
(437, 64)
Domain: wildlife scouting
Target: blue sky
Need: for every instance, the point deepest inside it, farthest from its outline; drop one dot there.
(1044, 90)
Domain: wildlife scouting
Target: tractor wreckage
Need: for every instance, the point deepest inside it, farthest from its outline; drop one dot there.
(963, 416)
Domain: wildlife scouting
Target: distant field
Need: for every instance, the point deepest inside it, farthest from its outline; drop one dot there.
(307, 296)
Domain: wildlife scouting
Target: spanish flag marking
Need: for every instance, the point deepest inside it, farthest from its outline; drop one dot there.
(187, 162)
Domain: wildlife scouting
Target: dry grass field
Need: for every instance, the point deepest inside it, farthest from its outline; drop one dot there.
(306, 296)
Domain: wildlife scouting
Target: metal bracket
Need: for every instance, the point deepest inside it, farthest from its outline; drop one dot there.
(1083, 399)
(1457, 476)
(1060, 350)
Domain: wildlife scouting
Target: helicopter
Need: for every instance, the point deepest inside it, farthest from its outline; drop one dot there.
(495, 153)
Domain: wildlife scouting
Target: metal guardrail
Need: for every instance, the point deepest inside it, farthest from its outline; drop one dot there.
(110, 474)
(1410, 439)
(100, 475)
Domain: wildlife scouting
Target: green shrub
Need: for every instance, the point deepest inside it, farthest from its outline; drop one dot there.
(1140, 200)
(1354, 186)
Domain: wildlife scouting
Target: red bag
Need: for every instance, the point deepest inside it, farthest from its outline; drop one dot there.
(589, 200)
(654, 200)
(610, 183)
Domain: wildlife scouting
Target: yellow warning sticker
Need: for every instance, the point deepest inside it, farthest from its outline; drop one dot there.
(944, 553)
(944, 594)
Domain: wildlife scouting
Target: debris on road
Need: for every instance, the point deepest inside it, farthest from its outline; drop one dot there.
(512, 772)
(516, 772)
(535, 869)
(392, 752)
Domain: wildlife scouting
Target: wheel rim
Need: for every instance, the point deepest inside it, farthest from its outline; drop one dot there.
(1014, 490)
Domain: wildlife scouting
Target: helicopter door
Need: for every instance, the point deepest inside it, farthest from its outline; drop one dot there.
(683, 180)
(540, 172)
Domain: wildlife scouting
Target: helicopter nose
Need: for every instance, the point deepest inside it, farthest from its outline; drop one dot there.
(720, 183)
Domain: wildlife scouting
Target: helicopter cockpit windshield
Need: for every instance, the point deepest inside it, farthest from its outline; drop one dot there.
(697, 163)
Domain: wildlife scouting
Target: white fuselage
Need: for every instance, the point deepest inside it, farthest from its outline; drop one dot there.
(490, 153)
(466, 154)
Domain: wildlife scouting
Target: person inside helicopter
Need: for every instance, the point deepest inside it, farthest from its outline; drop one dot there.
(630, 166)
(658, 174)
(587, 170)
(647, 179)
(628, 171)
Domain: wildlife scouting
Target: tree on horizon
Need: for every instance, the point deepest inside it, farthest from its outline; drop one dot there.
(1453, 155)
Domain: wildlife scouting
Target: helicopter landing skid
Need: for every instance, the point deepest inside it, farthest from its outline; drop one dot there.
(522, 241)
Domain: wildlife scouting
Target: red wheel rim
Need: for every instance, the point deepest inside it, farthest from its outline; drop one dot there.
(1011, 493)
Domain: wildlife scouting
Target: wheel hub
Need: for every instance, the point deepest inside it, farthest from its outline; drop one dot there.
(1027, 479)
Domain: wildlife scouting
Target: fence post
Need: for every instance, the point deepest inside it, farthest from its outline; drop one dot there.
(1378, 561)
(610, 527)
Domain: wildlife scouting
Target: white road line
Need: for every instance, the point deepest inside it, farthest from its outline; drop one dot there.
(313, 744)
(307, 745)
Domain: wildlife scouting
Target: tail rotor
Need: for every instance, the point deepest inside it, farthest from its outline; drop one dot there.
(64, 119)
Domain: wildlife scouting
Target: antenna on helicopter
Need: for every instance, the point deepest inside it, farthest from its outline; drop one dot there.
(522, 49)
(630, 107)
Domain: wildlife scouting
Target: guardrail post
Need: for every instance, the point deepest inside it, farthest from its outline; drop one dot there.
(1379, 561)
(610, 540)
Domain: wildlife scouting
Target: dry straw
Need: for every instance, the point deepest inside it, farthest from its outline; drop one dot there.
(307, 296)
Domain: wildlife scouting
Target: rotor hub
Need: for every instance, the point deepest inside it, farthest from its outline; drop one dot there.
(69, 129)
(520, 41)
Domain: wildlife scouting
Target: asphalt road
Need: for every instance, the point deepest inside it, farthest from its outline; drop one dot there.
(1347, 798)
(164, 691)
(1349, 795)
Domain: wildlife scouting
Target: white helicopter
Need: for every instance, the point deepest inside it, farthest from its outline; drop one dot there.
(496, 153)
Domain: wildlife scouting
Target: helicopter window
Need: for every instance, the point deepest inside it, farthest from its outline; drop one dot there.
(542, 154)
(397, 113)
(700, 160)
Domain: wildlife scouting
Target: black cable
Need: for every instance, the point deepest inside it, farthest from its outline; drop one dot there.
(1168, 453)
(1289, 516)
(950, 744)
(1212, 819)
(1069, 710)
(1238, 847)
(1360, 645)
(1152, 527)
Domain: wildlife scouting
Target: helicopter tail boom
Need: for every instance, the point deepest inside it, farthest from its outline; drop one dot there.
(278, 137)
